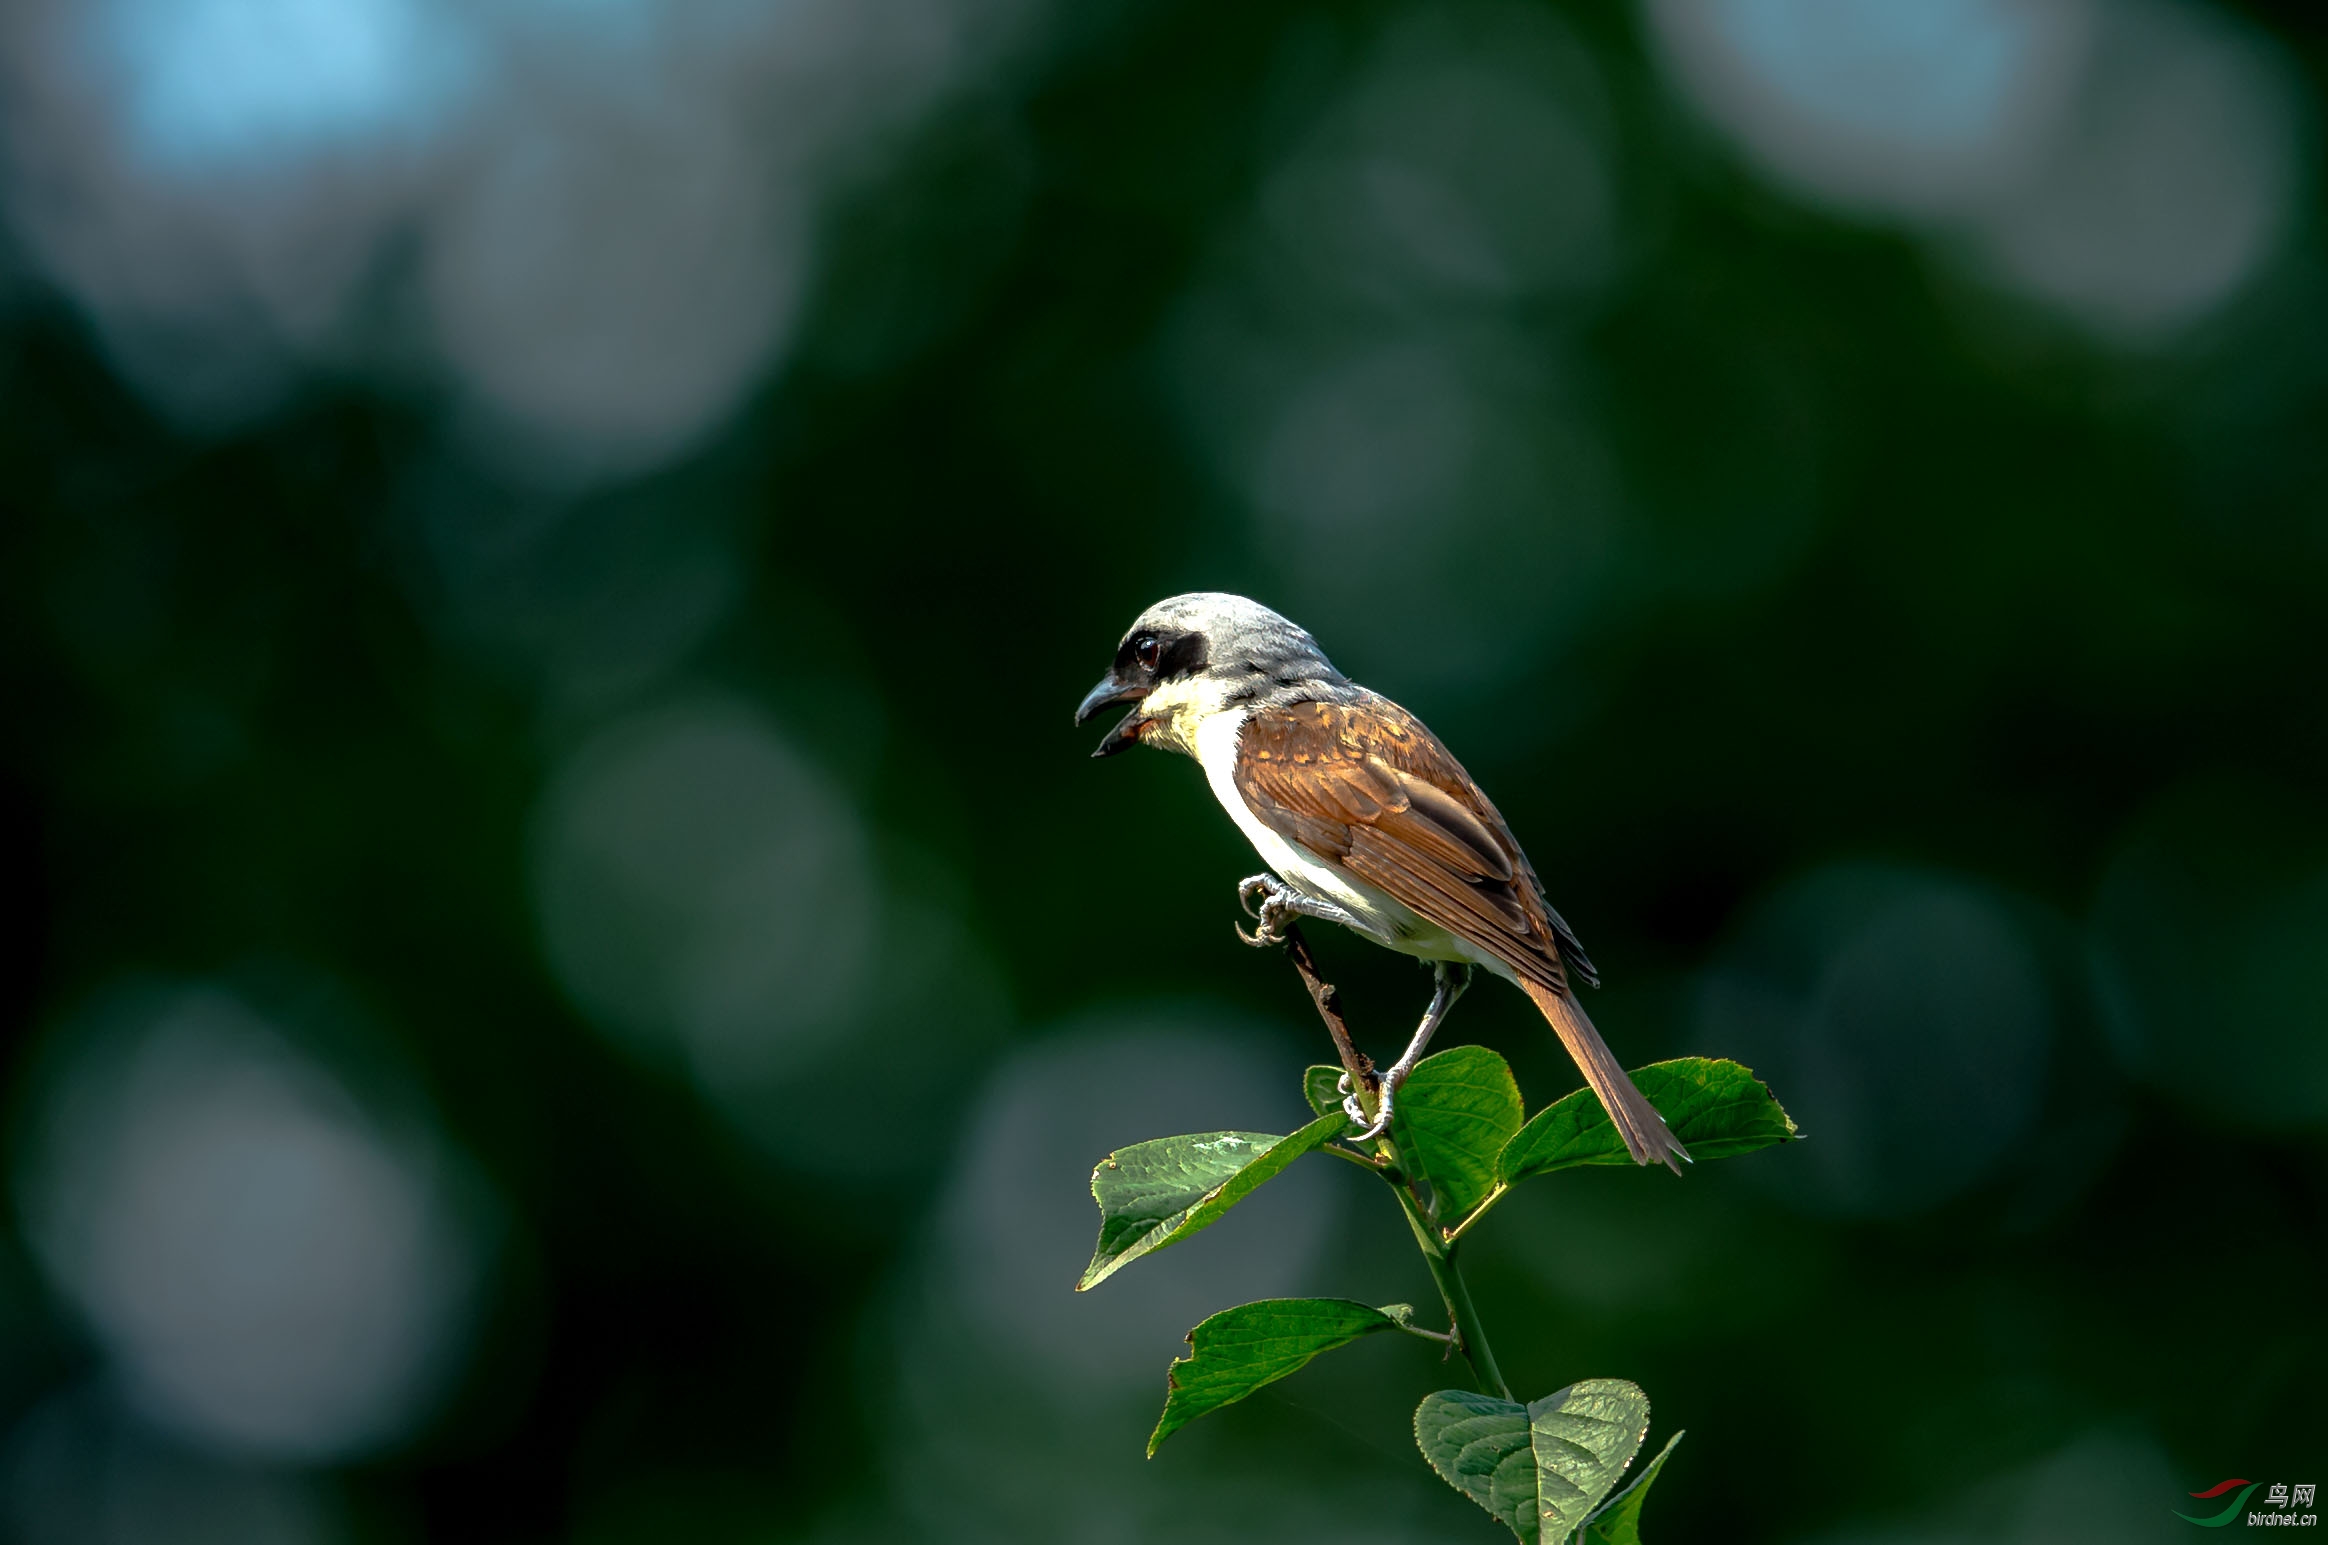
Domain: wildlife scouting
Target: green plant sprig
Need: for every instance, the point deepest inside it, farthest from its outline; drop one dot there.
(1458, 1143)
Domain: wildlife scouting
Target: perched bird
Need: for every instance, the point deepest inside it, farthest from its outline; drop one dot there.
(1365, 818)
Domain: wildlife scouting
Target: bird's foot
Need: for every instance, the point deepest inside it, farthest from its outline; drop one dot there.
(1280, 904)
(1271, 914)
(1380, 1122)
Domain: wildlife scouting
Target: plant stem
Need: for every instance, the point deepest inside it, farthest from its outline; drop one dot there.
(1462, 1313)
(1438, 1254)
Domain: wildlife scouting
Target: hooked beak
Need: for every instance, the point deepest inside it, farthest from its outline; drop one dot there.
(1110, 690)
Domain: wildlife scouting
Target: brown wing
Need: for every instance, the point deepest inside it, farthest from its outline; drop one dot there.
(1365, 786)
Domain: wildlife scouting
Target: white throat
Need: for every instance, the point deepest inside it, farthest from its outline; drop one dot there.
(1180, 711)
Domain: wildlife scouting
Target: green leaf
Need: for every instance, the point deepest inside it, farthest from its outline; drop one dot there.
(1158, 1193)
(1453, 1115)
(1322, 1087)
(1620, 1522)
(1716, 1108)
(1239, 1350)
(1584, 1436)
(1538, 1469)
(1479, 1445)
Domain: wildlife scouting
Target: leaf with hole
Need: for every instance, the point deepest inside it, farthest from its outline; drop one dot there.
(1237, 1351)
(1716, 1108)
(1620, 1522)
(1158, 1193)
(1538, 1469)
(1452, 1117)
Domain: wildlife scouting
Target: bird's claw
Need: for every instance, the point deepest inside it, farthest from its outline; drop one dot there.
(1271, 915)
(1357, 1113)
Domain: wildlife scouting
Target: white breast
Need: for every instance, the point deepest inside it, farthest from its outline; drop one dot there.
(1390, 922)
(1216, 753)
(1213, 742)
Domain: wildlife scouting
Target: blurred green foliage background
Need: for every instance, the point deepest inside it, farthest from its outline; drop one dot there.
(568, 971)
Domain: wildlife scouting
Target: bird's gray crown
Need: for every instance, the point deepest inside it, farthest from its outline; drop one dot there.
(1244, 642)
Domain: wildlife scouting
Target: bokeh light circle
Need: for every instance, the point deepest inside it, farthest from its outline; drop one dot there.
(271, 1268)
(1905, 1020)
(702, 891)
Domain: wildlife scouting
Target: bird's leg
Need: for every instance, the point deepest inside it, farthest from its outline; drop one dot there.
(1279, 904)
(1448, 979)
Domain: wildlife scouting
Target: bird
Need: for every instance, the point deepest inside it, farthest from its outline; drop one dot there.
(1365, 819)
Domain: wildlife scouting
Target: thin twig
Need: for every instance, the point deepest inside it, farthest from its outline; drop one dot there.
(1323, 993)
(1477, 1212)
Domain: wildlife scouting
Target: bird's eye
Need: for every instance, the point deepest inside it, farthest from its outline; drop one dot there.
(1148, 651)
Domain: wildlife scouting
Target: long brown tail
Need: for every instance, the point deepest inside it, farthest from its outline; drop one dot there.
(1637, 1121)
